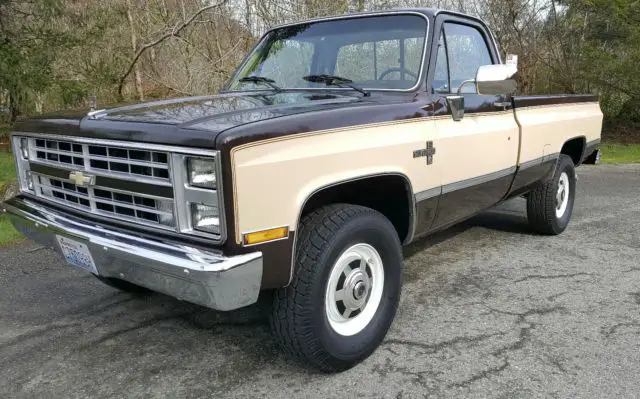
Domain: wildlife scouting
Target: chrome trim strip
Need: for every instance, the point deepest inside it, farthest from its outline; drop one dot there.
(427, 194)
(551, 157)
(448, 188)
(200, 276)
(421, 77)
(538, 161)
(102, 173)
(530, 164)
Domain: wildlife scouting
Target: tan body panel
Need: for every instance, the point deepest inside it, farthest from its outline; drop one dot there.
(544, 129)
(273, 178)
(478, 145)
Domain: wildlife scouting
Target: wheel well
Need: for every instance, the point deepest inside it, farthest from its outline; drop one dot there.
(387, 194)
(574, 148)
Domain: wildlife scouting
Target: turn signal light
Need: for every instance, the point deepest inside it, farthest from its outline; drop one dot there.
(265, 235)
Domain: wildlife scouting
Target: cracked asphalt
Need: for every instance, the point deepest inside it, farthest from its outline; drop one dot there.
(488, 310)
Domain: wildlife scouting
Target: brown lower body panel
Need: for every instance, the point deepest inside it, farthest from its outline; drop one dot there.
(277, 257)
(464, 199)
(532, 173)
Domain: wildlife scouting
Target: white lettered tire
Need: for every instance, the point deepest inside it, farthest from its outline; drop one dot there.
(345, 290)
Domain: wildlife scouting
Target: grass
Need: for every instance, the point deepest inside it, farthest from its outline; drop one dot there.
(8, 234)
(620, 153)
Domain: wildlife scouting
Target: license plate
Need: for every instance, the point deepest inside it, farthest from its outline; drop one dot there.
(77, 254)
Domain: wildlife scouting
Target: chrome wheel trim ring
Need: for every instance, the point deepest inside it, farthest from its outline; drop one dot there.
(354, 289)
(562, 195)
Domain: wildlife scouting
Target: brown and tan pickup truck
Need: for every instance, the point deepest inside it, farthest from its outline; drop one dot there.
(335, 142)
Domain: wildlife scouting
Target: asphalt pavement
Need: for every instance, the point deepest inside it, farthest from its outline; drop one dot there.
(488, 310)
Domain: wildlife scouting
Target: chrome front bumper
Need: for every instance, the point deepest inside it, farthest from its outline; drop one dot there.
(203, 277)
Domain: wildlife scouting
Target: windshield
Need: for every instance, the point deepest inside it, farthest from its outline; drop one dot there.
(381, 52)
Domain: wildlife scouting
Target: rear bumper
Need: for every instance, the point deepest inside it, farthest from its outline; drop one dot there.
(203, 277)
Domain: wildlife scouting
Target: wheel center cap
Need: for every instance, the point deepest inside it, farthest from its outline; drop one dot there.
(359, 290)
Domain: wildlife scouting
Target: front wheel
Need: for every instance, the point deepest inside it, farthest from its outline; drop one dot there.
(345, 290)
(550, 205)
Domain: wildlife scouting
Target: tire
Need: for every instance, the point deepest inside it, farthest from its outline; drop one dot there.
(123, 285)
(308, 318)
(550, 205)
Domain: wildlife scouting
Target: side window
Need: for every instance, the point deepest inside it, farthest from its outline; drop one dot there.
(467, 51)
(459, 57)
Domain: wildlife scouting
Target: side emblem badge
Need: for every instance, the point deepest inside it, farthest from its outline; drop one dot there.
(429, 151)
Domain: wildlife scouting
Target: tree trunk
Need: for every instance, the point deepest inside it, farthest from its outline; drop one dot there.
(134, 45)
(14, 107)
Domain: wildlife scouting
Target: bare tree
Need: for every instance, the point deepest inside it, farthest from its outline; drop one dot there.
(175, 31)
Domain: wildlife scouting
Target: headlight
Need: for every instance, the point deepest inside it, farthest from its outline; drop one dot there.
(202, 172)
(29, 180)
(205, 218)
(24, 148)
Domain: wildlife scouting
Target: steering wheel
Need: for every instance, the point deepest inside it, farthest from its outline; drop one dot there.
(392, 70)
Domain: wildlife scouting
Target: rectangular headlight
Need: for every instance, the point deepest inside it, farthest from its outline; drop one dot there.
(24, 147)
(205, 218)
(202, 172)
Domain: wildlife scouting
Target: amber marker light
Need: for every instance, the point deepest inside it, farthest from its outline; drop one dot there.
(265, 235)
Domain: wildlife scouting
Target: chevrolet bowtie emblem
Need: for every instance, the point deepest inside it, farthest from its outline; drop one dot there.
(429, 151)
(82, 180)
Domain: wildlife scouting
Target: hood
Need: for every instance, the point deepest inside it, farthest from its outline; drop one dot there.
(224, 111)
(192, 121)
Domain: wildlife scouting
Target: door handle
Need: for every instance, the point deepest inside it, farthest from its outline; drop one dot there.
(504, 104)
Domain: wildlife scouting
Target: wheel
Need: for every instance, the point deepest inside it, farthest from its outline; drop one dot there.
(123, 285)
(345, 289)
(550, 205)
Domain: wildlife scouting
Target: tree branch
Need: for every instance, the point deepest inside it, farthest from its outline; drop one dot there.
(174, 32)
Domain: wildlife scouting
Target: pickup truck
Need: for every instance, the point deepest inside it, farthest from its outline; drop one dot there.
(335, 142)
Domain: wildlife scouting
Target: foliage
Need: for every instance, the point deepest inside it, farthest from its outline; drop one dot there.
(56, 54)
(620, 153)
(7, 173)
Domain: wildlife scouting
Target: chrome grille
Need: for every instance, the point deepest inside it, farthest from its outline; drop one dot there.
(137, 183)
(137, 207)
(103, 158)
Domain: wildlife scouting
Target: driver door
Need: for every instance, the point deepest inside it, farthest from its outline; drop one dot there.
(478, 153)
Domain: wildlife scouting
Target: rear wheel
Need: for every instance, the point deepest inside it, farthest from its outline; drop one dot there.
(550, 206)
(345, 290)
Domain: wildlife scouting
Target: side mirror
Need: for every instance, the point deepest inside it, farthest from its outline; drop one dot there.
(496, 80)
(491, 80)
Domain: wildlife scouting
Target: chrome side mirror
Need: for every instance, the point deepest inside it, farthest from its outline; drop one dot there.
(491, 80)
(496, 80)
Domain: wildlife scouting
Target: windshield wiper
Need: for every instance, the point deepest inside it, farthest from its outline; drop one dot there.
(261, 79)
(331, 80)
